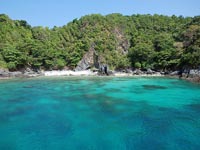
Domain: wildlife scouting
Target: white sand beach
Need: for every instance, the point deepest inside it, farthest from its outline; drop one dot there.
(69, 73)
(91, 73)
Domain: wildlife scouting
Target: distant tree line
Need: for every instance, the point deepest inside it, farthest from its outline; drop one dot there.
(138, 41)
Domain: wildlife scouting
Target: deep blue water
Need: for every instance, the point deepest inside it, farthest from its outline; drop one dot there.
(99, 114)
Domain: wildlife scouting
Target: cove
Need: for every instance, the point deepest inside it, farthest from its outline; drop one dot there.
(99, 113)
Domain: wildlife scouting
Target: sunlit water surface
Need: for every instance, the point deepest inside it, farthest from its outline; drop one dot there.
(99, 114)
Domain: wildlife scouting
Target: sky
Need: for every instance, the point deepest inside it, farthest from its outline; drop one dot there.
(50, 13)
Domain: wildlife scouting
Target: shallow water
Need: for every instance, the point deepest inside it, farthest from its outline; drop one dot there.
(99, 114)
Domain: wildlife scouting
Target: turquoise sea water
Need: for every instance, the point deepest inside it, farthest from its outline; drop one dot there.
(99, 114)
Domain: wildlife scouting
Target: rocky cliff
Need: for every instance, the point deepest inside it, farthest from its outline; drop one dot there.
(89, 60)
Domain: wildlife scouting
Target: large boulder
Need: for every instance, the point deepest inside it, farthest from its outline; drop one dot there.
(15, 74)
(194, 73)
(137, 72)
(4, 73)
(174, 73)
(149, 71)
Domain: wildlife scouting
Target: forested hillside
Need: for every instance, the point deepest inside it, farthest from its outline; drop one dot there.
(137, 41)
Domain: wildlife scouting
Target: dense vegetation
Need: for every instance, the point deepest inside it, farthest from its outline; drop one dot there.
(139, 41)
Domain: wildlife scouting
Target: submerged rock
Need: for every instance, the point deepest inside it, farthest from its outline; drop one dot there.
(153, 87)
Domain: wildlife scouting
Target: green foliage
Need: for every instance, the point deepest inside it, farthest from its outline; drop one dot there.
(141, 53)
(139, 41)
(137, 65)
(60, 63)
(2, 62)
(191, 54)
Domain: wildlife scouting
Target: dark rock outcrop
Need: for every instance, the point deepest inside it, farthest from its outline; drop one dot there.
(89, 60)
(92, 60)
(104, 70)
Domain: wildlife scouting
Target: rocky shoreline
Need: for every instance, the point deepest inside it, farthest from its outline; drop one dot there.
(192, 75)
(4, 73)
